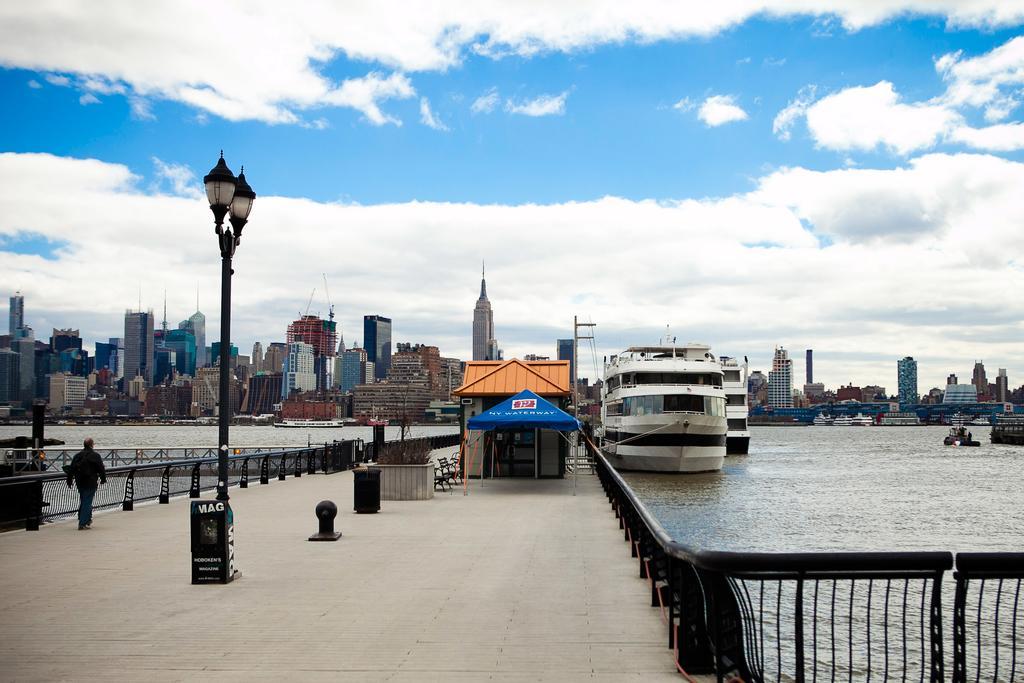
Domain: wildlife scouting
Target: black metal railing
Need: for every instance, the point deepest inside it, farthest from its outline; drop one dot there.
(988, 617)
(31, 500)
(825, 616)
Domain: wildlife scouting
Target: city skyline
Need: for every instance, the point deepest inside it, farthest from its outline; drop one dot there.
(741, 203)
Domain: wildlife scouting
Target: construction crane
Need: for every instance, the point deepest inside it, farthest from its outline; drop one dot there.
(330, 306)
(310, 302)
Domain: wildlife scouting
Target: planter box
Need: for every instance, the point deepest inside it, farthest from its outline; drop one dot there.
(406, 482)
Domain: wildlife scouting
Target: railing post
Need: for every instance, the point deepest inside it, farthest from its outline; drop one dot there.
(798, 628)
(265, 470)
(693, 643)
(960, 628)
(193, 491)
(726, 629)
(938, 666)
(128, 503)
(311, 461)
(243, 482)
(165, 486)
(34, 506)
(298, 463)
(282, 469)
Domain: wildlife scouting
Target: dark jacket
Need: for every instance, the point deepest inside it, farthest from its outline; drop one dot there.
(86, 467)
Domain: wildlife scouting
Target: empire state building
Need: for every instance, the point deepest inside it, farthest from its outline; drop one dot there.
(483, 323)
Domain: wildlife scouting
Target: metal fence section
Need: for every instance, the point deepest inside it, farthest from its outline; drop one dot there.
(988, 617)
(31, 500)
(825, 616)
(55, 457)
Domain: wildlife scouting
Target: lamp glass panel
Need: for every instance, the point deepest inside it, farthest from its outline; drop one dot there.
(220, 192)
(241, 206)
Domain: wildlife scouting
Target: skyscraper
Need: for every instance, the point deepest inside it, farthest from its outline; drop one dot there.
(298, 372)
(25, 344)
(1002, 386)
(257, 357)
(564, 349)
(979, 379)
(780, 380)
(9, 376)
(810, 366)
(377, 340)
(196, 324)
(138, 345)
(483, 323)
(906, 378)
(322, 336)
(17, 314)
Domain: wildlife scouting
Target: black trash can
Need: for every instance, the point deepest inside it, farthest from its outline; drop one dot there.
(366, 491)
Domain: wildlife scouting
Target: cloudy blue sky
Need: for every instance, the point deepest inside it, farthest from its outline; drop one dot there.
(752, 175)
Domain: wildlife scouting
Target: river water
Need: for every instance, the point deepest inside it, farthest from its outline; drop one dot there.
(848, 488)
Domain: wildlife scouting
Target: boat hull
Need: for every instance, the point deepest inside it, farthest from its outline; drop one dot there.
(690, 444)
(737, 445)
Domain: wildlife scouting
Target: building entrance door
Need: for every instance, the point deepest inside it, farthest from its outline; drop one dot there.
(518, 454)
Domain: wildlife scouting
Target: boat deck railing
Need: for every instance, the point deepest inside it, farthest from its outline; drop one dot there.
(825, 616)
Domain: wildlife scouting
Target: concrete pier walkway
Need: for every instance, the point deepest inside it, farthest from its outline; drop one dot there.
(519, 580)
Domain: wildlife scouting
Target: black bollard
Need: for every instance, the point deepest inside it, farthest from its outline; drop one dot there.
(326, 511)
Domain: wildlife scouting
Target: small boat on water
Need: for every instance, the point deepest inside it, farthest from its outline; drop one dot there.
(861, 421)
(842, 421)
(959, 436)
(822, 420)
(981, 421)
(310, 424)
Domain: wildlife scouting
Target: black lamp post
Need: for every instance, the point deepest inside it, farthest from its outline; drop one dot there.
(226, 193)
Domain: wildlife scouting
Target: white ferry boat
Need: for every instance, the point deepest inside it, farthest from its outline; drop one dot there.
(822, 420)
(311, 424)
(663, 409)
(842, 421)
(902, 419)
(862, 421)
(737, 436)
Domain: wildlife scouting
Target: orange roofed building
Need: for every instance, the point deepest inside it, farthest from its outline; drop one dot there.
(529, 453)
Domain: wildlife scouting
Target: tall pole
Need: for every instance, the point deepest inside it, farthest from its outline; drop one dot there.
(575, 399)
(223, 399)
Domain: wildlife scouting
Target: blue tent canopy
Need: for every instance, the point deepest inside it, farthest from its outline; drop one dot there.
(525, 410)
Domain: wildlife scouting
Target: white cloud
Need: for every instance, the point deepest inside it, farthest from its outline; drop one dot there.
(486, 103)
(364, 93)
(34, 84)
(784, 121)
(868, 117)
(182, 179)
(543, 105)
(1003, 137)
(684, 105)
(718, 110)
(428, 118)
(863, 118)
(58, 80)
(88, 98)
(273, 64)
(951, 221)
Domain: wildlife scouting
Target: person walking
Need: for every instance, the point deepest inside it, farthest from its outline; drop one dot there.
(88, 472)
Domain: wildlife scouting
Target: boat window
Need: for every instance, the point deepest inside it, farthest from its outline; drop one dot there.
(680, 403)
(714, 406)
(613, 383)
(737, 425)
(736, 400)
(712, 379)
(732, 375)
(614, 408)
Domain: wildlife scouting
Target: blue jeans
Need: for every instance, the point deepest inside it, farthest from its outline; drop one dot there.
(85, 508)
